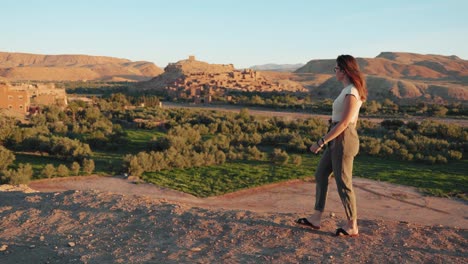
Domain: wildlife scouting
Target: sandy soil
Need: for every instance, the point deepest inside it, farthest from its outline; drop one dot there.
(112, 220)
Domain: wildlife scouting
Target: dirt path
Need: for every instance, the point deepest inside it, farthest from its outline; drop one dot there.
(376, 200)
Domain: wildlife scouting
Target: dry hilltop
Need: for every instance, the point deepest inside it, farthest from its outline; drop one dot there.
(36, 67)
(399, 76)
(108, 220)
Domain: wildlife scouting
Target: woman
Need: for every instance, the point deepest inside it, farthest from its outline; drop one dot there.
(343, 145)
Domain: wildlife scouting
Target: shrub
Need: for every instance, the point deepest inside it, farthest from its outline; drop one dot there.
(48, 171)
(278, 157)
(6, 158)
(134, 168)
(370, 145)
(62, 171)
(22, 175)
(253, 153)
(220, 157)
(456, 155)
(392, 124)
(296, 160)
(386, 151)
(430, 159)
(88, 166)
(441, 159)
(75, 168)
(413, 125)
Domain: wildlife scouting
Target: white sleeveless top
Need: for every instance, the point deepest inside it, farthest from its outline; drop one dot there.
(338, 104)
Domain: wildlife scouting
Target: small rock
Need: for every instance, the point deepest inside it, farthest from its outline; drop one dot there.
(331, 257)
(41, 238)
(332, 214)
(71, 244)
(32, 246)
(3, 248)
(195, 249)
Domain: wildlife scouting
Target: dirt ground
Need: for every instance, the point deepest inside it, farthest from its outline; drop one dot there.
(112, 220)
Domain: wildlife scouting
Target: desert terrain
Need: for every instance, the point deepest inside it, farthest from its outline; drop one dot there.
(39, 67)
(113, 220)
(400, 76)
(97, 219)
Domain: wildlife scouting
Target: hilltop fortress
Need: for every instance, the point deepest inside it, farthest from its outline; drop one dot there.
(199, 81)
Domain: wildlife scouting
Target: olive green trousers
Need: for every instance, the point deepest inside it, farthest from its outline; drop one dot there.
(338, 159)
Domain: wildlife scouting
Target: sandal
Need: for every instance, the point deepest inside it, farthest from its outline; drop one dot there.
(341, 232)
(305, 222)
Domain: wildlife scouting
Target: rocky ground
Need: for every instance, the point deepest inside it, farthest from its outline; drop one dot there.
(141, 223)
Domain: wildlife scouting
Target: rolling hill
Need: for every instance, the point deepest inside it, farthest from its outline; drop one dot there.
(24, 66)
(399, 76)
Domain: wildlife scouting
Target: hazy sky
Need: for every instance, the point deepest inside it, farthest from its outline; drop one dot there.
(242, 32)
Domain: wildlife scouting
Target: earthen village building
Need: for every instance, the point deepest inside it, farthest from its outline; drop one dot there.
(199, 81)
(22, 99)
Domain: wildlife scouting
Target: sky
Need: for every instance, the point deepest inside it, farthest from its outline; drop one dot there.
(241, 32)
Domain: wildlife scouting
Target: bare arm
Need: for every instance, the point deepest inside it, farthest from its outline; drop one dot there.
(349, 108)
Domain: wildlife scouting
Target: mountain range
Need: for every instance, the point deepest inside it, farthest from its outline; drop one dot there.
(36, 67)
(398, 76)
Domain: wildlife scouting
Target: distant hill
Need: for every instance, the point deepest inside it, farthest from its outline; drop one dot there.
(24, 66)
(401, 76)
(277, 67)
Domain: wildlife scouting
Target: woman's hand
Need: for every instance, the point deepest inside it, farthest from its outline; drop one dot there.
(315, 148)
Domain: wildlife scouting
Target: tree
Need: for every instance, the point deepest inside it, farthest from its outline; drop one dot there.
(7, 126)
(456, 155)
(62, 171)
(66, 148)
(392, 124)
(252, 153)
(220, 157)
(244, 114)
(88, 166)
(75, 168)
(372, 107)
(6, 158)
(22, 175)
(390, 106)
(439, 110)
(48, 171)
(118, 100)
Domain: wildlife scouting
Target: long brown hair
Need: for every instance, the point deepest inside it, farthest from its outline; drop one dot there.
(349, 65)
